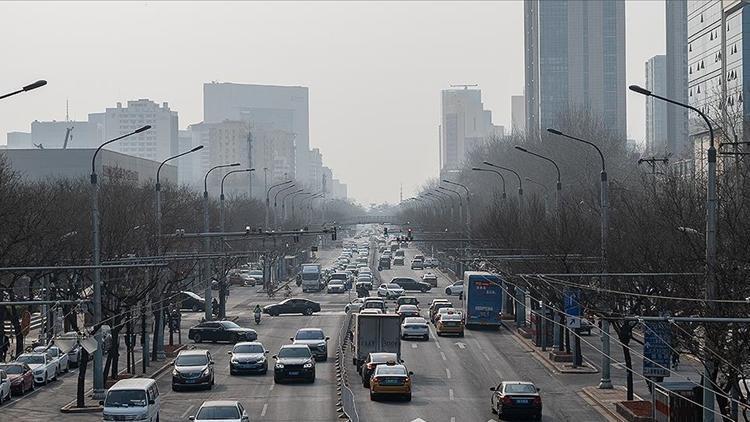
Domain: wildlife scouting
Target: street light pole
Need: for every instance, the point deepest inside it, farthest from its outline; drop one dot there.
(294, 198)
(544, 188)
(446, 199)
(159, 326)
(275, 202)
(206, 241)
(98, 374)
(711, 227)
(468, 207)
(223, 282)
(497, 173)
(558, 194)
(283, 203)
(520, 183)
(268, 193)
(26, 88)
(606, 381)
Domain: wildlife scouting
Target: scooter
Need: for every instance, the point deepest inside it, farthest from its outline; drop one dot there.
(257, 318)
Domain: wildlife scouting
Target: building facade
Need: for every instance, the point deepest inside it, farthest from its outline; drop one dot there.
(465, 124)
(574, 58)
(678, 140)
(517, 114)
(158, 143)
(656, 110)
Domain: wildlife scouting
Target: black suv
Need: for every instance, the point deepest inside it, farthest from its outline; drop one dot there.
(221, 331)
(411, 284)
(294, 361)
(193, 368)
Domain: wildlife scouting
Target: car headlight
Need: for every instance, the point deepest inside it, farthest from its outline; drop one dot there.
(205, 372)
(107, 417)
(262, 360)
(234, 360)
(39, 372)
(175, 373)
(279, 366)
(141, 416)
(308, 365)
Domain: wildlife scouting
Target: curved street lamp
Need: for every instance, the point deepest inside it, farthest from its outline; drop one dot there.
(559, 183)
(497, 173)
(27, 88)
(520, 184)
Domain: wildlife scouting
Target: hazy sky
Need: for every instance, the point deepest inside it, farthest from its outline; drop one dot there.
(374, 69)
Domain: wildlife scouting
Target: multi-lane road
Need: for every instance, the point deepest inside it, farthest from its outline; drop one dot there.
(451, 382)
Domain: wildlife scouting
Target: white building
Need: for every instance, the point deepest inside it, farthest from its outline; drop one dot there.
(157, 143)
(517, 114)
(464, 125)
(656, 110)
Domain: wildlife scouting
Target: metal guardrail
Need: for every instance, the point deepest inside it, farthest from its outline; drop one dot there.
(37, 321)
(345, 405)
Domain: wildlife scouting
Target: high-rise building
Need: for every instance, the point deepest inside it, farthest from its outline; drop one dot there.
(715, 49)
(314, 183)
(574, 58)
(19, 140)
(656, 110)
(517, 114)
(464, 125)
(283, 108)
(678, 141)
(158, 143)
(230, 143)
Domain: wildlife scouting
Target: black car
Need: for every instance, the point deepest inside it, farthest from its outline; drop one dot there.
(221, 331)
(384, 263)
(189, 300)
(516, 399)
(248, 357)
(193, 368)
(292, 306)
(411, 284)
(294, 361)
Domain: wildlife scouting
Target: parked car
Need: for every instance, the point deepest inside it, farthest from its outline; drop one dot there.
(193, 368)
(223, 410)
(455, 289)
(315, 339)
(4, 386)
(516, 399)
(221, 331)
(294, 361)
(42, 366)
(61, 359)
(407, 283)
(190, 301)
(430, 279)
(292, 306)
(248, 357)
(21, 377)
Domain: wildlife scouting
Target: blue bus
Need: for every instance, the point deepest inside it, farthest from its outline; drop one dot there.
(483, 296)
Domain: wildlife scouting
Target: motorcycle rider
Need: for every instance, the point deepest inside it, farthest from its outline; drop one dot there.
(257, 312)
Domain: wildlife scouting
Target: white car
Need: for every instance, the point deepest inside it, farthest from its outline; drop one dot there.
(415, 327)
(365, 270)
(431, 262)
(4, 387)
(42, 366)
(223, 410)
(336, 286)
(455, 289)
(390, 290)
(354, 307)
(62, 360)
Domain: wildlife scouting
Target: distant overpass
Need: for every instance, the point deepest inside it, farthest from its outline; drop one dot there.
(371, 219)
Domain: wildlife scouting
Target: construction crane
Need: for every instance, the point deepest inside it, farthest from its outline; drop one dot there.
(68, 136)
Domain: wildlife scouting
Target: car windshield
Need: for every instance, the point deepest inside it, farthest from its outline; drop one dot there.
(336, 282)
(256, 273)
(390, 370)
(248, 348)
(191, 360)
(415, 320)
(383, 357)
(31, 359)
(393, 286)
(229, 324)
(12, 369)
(218, 412)
(339, 276)
(192, 295)
(125, 398)
(410, 308)
(519, 388)
(310, 335)
(294, 352)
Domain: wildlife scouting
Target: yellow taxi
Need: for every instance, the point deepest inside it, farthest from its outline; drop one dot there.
(450, 323)
(391, 379)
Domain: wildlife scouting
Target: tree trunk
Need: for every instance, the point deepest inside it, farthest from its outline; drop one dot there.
(114, 350)
(80, 398)
(16, 322)
(629, 365)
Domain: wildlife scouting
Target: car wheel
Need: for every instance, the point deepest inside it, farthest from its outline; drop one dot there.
(408, 397)
(45, 379)
(236, 338)
(67, 367)
(365, 384)
(373, 397)
(175, 388)
(274, 313)
(448, 292)
(56, 372)
(231, 372)
(493, 410)
(308, 311)
(276, 380)
(197, 338)
(538, 417)
(196, 308)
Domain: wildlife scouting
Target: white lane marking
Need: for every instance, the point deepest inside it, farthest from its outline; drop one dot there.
(499, 374)
(450, 393)
(461, 345)
(486, 356)
(263, 412)
(271, 387)
(448, 373)
(479, 346)
(413, 346)
(187, 411)
(442, 355)
(453, 419)
(438, 345)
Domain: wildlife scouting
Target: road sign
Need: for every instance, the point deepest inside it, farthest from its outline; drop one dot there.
(657, 336)
(572, 309)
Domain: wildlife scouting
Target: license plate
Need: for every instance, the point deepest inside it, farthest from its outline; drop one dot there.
(190, 381)
(391, 382)
(522, 401)
(292, 373)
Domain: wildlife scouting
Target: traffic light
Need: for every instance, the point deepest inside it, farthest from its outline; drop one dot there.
(408, 234)
(385, 231)
(334, 234)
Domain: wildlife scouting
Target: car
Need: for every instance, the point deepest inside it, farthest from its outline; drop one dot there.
(407, 300)
(248, 357)
(447, 311)
(417, 264)
(256, 275)
(449, 323)
(399, 260)
(42, 366)
(436, 301)
(132, 399)
(354, 306)
(4, 386)
(389, 380)
(292, 306)
(364, 284)
(454, 289)
(399, 252)
(390, 291)
(419, 257)
(407, 283)
(364, 277)
(241, 278)
(187, 300)
(221, 331)
(193, 368)
(431, 263)
(61, 359)
(352, 268)
(315, 339)
(516, 399)
(336, 286)
(371, 362)
(294, 361)
(430, 279)
(343, 276)
(407, 311)
(384, 263)
(365, 270)
(223, 410)
(415, 327)
(21, 377)
(436, 309)
(371, 311)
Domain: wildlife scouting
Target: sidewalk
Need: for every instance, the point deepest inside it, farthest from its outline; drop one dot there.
(606, 401)
(543, 357)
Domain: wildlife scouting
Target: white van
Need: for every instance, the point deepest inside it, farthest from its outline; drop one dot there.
(134, 399)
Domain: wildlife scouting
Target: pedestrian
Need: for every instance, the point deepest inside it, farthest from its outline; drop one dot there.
(4, 346)
(675, 359)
